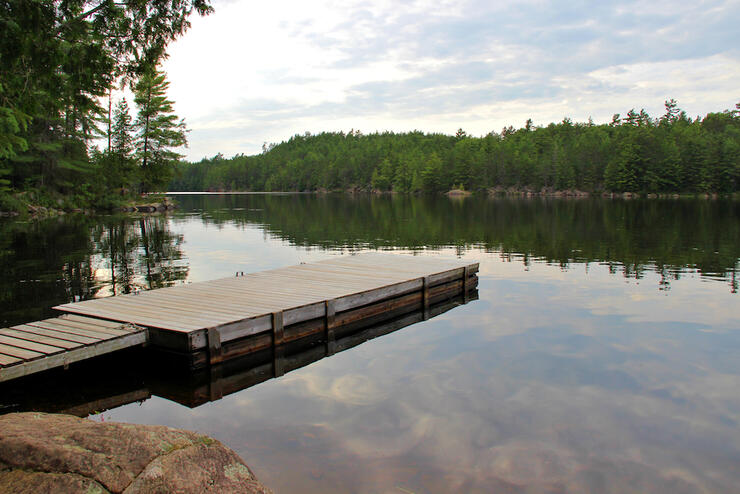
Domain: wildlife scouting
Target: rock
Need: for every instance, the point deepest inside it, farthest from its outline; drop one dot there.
(63, 454)
(458, 193)
(24, 482)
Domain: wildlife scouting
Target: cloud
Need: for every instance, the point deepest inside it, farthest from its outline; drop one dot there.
(264, 72)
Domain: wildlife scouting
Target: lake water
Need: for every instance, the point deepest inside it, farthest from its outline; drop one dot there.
(602, 354)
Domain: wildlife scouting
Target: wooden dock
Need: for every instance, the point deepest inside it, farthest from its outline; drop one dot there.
(222, 319)
(101, 384)
(34, 347)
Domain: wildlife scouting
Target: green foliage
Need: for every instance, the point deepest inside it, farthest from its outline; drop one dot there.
(158, 131)
(119, 164)
(382, 177)
(10, 203)
(634, 154)
(58, 59)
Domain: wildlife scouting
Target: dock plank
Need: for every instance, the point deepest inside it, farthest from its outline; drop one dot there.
(89, 321)
(30, 345)
(51, 325)
(39, 338)
(20, 353)
(71, 337)
(8, 360)
(88, 326)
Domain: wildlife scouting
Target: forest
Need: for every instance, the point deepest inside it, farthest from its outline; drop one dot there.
(635, 153)
(64, 144)
(64, 62)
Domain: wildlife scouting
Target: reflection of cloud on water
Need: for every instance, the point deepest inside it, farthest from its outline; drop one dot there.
(551, 382)
(549, 296)
(529, 437)
(350, 389)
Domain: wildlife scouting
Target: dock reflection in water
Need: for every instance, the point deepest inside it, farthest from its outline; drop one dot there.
(109, 382)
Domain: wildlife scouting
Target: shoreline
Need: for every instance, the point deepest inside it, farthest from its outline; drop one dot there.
(37, 212)
(34, 211)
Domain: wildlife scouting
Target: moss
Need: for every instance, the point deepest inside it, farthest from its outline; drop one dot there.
(236, 471)
(95, 489)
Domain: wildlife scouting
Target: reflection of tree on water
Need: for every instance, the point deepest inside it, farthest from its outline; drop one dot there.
(668, 237)
(44, 263)
(141, 254)
(50, 262)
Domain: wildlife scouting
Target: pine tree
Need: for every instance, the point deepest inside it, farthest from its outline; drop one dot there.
(159, 131)
(121, 164)
(122, 139)
(59, 59)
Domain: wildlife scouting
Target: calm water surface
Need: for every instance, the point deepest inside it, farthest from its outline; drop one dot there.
(601, 356)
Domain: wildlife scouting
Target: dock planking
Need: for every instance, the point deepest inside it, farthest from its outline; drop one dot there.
(206, 315)
(37, 346)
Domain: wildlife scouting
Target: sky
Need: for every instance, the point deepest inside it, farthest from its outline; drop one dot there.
(260, 72)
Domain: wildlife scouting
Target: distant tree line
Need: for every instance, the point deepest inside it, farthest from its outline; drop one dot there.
(60, 63)
(634, 153)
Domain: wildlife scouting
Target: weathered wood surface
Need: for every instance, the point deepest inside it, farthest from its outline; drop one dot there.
(184, 317)
(41, 345)
(112, 382)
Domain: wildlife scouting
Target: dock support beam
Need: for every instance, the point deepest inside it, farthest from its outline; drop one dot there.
(331, 313)
(278, 332)
(215, 355)
(278, 337)
(466, 284)
(425, 297)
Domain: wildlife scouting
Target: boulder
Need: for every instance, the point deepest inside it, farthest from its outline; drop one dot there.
(458, 193)
(64, 454)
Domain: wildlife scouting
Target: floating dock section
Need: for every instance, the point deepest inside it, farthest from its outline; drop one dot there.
(34, 347)
(218, 320)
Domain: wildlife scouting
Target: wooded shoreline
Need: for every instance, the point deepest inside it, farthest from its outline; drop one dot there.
(639, 154)
(35, 211)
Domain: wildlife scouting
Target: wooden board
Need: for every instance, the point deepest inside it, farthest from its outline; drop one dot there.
(41, 345)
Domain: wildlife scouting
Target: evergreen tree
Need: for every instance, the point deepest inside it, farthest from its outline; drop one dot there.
(382, 177)
(59, 58)
(672, 112)
(431, 175)
(122, 172)
(159, 132)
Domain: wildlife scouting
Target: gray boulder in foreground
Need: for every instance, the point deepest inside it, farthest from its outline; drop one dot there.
(42, 452)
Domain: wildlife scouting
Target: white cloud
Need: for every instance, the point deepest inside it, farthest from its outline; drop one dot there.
(256, 72)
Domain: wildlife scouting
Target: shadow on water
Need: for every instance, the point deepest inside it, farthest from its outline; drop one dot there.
(112, 381)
